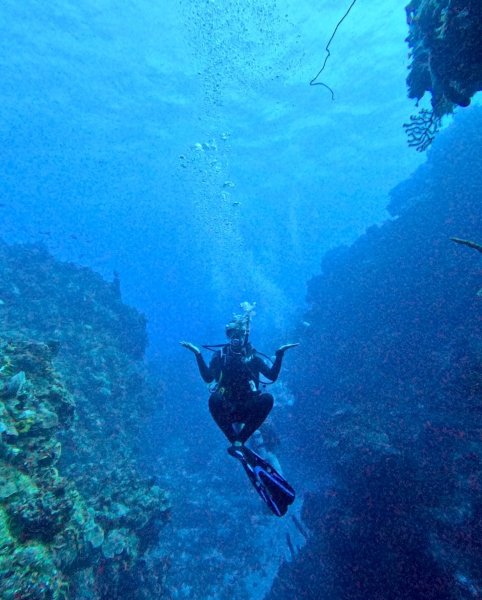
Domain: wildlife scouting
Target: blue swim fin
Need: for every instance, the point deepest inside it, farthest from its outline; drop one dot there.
(270, 485)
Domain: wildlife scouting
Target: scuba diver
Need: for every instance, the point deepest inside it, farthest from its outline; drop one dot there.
(239, 407)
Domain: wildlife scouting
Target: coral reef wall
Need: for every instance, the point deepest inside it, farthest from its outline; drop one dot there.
(446, 52)
(446, 61)
(389, 394)
(77, 519)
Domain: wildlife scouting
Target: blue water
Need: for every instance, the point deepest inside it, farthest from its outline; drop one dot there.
(180, 144)
(103, 107)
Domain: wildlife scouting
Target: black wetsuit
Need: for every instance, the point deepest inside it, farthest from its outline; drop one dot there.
(236, 397)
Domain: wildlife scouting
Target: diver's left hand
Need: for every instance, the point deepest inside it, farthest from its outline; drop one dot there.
(282, 349)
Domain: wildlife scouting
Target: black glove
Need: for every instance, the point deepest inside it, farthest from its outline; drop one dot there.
(282, 349)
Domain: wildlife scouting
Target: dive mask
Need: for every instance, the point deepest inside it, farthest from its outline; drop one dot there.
(237, 337)
(237, 340)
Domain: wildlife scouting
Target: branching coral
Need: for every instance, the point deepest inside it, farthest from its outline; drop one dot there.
(422, 129)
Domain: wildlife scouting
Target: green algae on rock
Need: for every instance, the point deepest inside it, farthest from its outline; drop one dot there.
(77, 519)
(36, 504)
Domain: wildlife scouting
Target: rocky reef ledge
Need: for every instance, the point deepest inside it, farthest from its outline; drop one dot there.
(444, 40)
(388, 411)
(77, 518)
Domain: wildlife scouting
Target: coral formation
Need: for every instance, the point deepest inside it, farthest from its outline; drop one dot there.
(388, 393)
(446, 60)
(77, 518)
(444, 37)
(422, 129)
(39, 509)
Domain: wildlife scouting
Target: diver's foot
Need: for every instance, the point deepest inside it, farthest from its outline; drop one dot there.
(235, 447)
(237, 427)
(13, 386)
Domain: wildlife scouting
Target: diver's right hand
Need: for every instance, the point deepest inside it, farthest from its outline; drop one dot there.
(190, 347)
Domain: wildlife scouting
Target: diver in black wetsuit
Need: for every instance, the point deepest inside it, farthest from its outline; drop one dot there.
(236, 403)
(239, 407)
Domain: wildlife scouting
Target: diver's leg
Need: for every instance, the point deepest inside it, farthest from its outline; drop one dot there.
(223, 416)
(259, 408)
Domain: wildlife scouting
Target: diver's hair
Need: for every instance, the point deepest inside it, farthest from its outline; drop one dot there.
(239, 322)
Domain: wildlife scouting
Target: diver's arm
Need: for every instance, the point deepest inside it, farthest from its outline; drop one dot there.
(207, 373)
(270, 372)
(273, 371)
